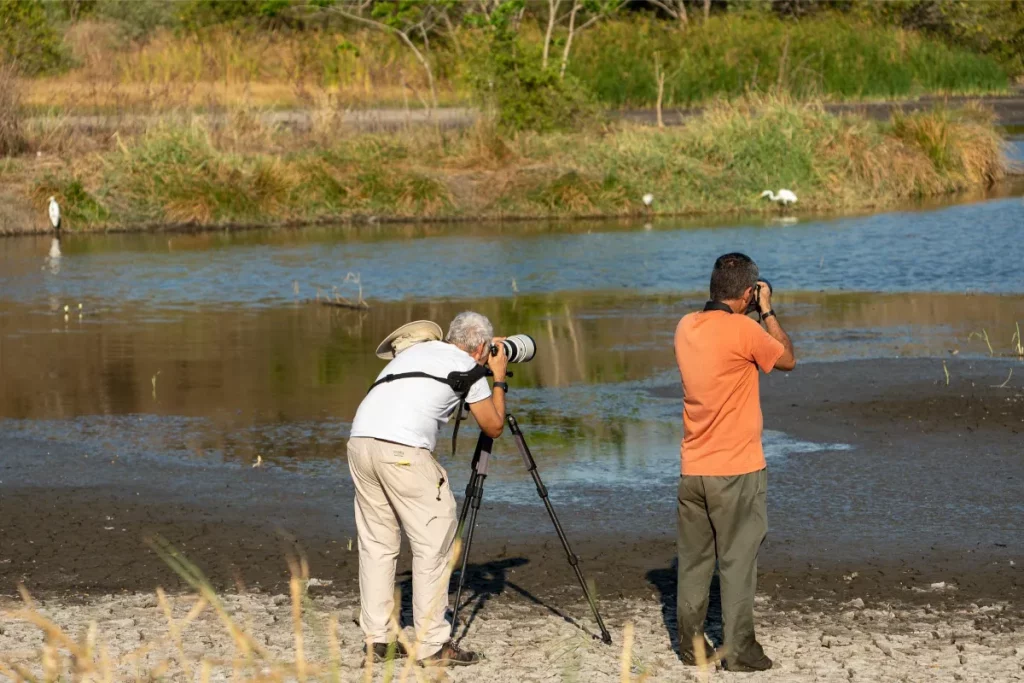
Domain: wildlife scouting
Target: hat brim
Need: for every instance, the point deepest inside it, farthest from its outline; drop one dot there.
(414, 332)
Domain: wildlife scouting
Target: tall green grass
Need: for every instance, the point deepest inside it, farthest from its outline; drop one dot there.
(831, 57)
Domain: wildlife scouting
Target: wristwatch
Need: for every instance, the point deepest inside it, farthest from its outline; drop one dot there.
(503, 385)
(770, 313)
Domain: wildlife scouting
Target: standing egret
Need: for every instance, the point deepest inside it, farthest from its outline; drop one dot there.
(783, 198)
(55, 215)
(53, 261)
(648, 200)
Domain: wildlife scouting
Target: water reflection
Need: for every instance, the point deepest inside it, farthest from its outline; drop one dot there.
(285, 381)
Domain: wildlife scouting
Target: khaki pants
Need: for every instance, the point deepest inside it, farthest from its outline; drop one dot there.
(399, 487)
(723, 518)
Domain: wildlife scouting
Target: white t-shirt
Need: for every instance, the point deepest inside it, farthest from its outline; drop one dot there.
(411, 410)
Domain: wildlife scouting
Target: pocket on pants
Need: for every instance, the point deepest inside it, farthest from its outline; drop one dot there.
(412, 474)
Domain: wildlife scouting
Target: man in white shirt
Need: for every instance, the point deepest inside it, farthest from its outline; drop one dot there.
(399, 484)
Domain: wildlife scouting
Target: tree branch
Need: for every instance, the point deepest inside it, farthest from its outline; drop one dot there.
(403, 37)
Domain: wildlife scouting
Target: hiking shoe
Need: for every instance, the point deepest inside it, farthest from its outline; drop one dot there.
(451, 655)
(380, 651)
(755, 660)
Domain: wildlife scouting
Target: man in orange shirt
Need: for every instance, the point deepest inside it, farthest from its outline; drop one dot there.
(722, 512)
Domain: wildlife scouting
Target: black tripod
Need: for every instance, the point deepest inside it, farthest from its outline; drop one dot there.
(471, 506)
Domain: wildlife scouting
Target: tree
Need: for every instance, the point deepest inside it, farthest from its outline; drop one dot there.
(27, 39)
(674, 8)
(581, 15)
(410, 21)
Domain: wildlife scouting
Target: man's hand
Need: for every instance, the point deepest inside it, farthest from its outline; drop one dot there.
(788, 359)
(499, 363)
(764, 296)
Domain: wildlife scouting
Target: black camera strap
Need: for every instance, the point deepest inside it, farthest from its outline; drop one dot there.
(716, 306)
(460, 382)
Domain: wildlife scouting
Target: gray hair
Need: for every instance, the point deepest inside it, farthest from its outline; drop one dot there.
(469, 330)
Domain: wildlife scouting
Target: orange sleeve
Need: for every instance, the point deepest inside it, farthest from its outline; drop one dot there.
(765, 350)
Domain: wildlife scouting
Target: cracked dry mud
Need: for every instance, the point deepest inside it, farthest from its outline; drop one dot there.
(813, 641)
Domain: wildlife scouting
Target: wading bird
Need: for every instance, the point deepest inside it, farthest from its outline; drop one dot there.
(54, 255)
(648, 200)
(783, 198)
(55, 215)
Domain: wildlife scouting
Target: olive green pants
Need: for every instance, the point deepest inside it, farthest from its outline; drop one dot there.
(723, 519)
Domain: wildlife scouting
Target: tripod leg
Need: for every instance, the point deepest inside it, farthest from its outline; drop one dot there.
(531, 467)
(471, 505)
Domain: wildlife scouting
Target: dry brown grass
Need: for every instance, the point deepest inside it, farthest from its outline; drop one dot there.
(12, 139)
(229, 67)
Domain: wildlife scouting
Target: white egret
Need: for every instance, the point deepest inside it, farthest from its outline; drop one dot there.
(54, 215)
(783, 198)
(648, 200)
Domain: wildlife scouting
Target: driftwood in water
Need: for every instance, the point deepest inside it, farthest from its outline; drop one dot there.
(345, 303)
(338, 301)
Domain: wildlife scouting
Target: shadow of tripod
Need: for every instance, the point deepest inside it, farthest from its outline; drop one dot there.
(471, 508)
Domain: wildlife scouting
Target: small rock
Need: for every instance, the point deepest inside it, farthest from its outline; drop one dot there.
(857, 603)
(279, 599)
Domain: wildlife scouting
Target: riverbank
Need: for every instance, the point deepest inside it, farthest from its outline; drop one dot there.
(249, 173)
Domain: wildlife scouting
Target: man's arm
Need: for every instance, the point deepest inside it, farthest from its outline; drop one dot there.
(787, 361)
(490, 412)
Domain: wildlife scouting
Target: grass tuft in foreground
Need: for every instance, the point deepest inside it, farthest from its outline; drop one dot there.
(718, 163)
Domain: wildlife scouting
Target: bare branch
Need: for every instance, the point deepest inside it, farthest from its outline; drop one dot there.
(401, 35)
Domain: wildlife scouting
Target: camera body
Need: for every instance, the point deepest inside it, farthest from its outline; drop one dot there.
(519, 348)
(755, 303)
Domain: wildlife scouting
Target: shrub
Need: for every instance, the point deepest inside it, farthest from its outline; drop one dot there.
(511, 84)
(28, 39)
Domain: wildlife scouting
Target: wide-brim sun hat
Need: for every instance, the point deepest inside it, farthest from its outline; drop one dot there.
(407, 335)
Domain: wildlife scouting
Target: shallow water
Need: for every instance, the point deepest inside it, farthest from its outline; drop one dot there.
(213, 348)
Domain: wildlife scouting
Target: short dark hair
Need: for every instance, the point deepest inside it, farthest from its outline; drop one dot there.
(732, 274)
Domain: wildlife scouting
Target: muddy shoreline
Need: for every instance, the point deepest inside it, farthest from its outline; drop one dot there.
(74, 527)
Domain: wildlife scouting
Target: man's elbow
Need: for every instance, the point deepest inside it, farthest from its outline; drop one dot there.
(786, 364)
(494, 431)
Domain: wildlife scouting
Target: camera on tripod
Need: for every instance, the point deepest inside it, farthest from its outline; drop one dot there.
(519, 348)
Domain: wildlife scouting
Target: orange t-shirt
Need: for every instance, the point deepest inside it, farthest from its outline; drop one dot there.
(718, 355)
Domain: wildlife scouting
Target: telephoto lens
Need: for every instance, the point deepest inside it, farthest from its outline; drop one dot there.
(519, 348)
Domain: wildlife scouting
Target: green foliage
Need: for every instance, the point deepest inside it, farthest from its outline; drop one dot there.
(28, 39)
(138, 18)
(509, 81)
(829, 56)
(989, 27)
(197, 14)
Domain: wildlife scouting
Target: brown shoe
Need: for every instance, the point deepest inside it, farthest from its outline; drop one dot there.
(752, 660)
(451, 655)
(380, 651)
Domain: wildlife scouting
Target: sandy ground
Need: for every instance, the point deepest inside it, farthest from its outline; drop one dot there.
(813, 641)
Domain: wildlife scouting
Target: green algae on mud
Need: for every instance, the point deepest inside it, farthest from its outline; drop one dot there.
(718, 163)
